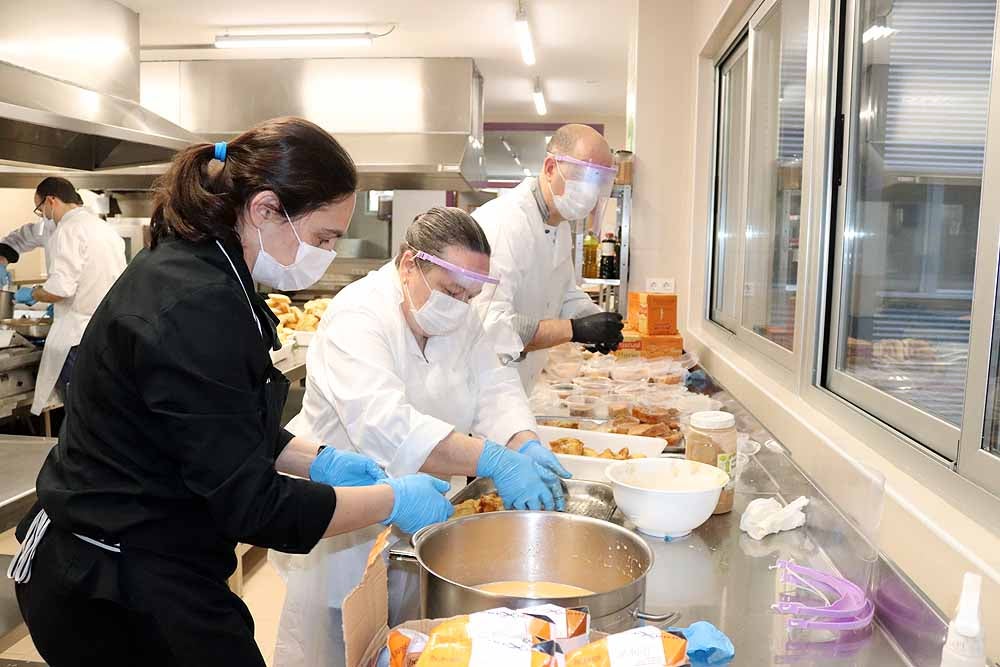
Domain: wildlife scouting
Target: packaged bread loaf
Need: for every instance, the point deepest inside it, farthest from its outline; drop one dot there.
(641, 647)
(491, 638)
(405, 647)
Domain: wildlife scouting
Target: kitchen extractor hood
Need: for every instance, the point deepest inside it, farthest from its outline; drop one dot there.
(409, 123)
(49, 123)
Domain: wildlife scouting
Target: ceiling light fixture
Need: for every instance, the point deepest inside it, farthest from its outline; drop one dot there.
(323, 36)
(506, 145)
(539, 98)
(527, 172)
(523, 29)
(517, 160)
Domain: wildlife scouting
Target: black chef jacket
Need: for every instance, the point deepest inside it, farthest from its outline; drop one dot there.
(164, 446)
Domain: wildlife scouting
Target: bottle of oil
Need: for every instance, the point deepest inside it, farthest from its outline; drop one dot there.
(608, 270)
(591, 249)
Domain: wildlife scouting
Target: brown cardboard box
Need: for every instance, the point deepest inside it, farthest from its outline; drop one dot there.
(637, 345)
(656, 314)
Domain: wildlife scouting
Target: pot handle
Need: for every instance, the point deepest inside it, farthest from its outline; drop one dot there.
(656, 619)
(405, 550)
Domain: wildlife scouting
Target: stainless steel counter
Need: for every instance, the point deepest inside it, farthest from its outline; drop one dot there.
(20, 460)
(294, 367)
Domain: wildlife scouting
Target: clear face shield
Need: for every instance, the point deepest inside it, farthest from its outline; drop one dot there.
(588, 188)
(452, 316)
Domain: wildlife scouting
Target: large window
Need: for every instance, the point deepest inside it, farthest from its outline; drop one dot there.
(731, 187)
(759, 178)
(779, 38)
(916, 87)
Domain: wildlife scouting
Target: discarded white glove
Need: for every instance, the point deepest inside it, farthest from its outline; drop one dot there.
(766, 516)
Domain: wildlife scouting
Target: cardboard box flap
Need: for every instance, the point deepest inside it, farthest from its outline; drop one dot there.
(366, 608)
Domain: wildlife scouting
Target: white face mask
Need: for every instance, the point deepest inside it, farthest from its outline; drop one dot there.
(309, 266)
(441, 314)
(577, 200)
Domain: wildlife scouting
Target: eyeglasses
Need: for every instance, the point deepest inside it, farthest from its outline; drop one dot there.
(38, 209)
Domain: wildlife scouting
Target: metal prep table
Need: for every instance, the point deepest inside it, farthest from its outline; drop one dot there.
(721, 575)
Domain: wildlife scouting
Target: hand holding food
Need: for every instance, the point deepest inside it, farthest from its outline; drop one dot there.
(419, 502)
(519, 480)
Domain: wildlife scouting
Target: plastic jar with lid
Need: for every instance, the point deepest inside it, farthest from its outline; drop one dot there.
(711, 439)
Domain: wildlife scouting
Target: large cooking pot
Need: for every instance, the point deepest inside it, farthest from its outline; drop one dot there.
(458, 555)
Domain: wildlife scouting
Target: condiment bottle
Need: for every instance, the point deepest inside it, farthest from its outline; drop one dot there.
(591, 248)
(607, 270)
(711, 439)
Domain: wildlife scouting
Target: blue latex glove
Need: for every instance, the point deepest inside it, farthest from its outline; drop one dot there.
(51, 310)
(4, 275)
(707, 644)
(419, 501)
(23, 295)
(544, 457)
(337, 468)
(519, 480)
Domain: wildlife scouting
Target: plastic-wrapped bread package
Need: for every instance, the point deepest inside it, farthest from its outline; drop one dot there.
(405, 647)
(641, 647)
(495, 638)
(570, 626)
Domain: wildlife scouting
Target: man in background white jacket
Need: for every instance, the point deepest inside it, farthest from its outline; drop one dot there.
(83, 256)
(529, 231)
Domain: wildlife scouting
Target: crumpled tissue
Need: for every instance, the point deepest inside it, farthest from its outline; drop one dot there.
(766, 516)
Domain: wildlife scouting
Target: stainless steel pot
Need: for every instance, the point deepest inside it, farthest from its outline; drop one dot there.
(6, 304)
(32, 328)
(458, 555)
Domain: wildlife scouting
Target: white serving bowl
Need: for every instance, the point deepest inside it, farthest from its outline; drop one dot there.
(666, 497)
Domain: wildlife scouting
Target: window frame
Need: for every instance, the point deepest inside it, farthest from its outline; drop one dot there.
(975, 464)
(929, 431)
(786, 359)
(729, 322)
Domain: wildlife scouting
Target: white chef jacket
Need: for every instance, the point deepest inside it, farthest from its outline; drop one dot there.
(369, 389)
(30, 236)
(85, 256)
(534, 263)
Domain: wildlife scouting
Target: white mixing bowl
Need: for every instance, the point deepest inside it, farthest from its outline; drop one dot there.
(666, 497)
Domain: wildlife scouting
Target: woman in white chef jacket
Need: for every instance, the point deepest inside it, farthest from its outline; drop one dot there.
(401, 371)
(84, 257)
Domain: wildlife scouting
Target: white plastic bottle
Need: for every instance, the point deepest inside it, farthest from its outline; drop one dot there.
(965, 646)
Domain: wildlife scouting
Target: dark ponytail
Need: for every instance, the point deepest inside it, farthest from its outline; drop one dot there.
(199, 199)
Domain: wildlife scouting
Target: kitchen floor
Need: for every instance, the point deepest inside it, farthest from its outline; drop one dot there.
(263, 592)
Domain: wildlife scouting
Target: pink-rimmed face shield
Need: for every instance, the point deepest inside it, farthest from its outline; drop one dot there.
(595, 180)
(456, 281)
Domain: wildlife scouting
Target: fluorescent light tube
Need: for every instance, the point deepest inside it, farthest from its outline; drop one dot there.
(539, 98)
(527, 172)
(524, 40)
(278, 41)
(517, 161)
(506, 145)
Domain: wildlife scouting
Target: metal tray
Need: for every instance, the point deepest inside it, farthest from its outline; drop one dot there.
(584, 498)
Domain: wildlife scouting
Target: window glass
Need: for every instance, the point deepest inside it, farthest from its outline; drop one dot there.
(911, 214)
(730, 183)
(778, 102)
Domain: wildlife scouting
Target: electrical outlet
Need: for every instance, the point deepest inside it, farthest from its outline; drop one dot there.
(661, 285)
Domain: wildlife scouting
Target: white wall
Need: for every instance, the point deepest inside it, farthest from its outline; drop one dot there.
(614, 126)
(933, 531)
(408, 204)
(16, 206)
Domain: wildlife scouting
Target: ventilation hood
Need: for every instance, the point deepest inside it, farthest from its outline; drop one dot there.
(409, 123)
(45, 122)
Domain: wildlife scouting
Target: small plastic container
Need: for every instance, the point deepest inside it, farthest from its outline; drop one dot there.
(583, 405)
(711, 439)
(654, 412)
(620, 406)
(564, 370)
(594, 386)
(630, 372)
(599, 366)
(688, 360)
(564, 390)
(667, 372)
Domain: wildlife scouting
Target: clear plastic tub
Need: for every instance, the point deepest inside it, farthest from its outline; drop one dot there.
(564, 389)
(620, 406)
(594, 386)
(583, 405)
(599, 366)
(564, 370)
(667, 372)
(630, 372)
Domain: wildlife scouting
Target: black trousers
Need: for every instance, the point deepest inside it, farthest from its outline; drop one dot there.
(85, 606)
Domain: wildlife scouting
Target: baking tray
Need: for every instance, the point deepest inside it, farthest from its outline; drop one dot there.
(585, 498)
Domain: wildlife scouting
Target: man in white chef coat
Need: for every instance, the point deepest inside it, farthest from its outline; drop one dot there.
(529, 231)
(83, 256)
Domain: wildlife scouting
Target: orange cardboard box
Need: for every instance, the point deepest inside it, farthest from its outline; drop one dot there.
(657, 314)
(636, 344)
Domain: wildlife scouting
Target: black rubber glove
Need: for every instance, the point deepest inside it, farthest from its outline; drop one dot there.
(603, 331)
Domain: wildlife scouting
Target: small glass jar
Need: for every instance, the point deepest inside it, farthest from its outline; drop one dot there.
(711, 439)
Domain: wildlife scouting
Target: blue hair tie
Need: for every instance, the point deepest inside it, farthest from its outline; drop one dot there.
(220, 151)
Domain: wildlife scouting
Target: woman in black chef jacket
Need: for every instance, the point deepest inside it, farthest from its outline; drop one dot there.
(171, 449)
